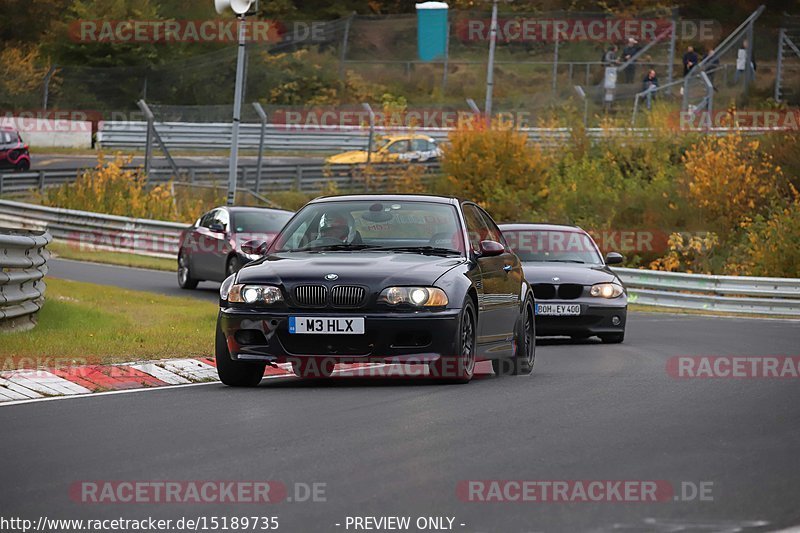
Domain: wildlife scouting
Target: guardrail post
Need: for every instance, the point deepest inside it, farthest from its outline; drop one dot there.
(41, 181)
(244, 177)
(263, 116)
(192, 175)
(368, 109)
(1, 184)
(298, 178)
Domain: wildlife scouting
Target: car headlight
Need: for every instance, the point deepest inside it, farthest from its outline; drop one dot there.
(416, 296)
(250, 294)
(225, 288)
(606, 290)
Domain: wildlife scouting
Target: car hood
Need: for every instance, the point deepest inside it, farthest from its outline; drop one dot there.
(374, 269)
(353, 156)
(568, 273)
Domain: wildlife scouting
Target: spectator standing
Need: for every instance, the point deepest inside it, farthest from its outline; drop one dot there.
(690, 59)
(610, 58)
(712, 65)
(742, 68)
(627, 53)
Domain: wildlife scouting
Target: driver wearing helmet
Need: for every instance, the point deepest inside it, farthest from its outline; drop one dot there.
(337, 226)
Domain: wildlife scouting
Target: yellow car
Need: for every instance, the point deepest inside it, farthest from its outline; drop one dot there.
(391, 148)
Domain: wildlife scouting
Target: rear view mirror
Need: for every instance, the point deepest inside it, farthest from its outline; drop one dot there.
(254, 247)
(491, 248)
(614, 258)
(216, 227)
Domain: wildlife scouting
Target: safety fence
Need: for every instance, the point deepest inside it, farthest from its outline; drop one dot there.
(303, 177)
(23, 265)
(733, 294)
(95, 230)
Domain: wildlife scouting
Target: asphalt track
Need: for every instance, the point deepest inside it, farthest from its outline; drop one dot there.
(399, 446)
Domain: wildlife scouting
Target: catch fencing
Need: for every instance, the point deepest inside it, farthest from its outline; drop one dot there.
(23, 266)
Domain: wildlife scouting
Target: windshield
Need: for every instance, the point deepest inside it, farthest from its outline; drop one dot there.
(259, 221)
(553, 246)
(370, 224)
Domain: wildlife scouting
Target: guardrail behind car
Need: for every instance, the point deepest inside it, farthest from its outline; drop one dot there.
(155, 238)
(734, 294)
(23, 265)
(282, 137)
(304, 177)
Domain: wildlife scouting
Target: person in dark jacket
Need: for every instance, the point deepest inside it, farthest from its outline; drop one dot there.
(649, 84)
(690, 59)
(628, 52)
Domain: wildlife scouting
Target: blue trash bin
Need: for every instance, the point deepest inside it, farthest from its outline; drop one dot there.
(431, 30)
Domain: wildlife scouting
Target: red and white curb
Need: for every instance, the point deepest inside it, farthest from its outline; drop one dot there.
(33, 385)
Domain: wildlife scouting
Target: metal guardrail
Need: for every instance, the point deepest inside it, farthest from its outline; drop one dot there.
(95, 230)
(733, 294)
(297, 138)
(304, 177)
(23, 265)
(187, 135)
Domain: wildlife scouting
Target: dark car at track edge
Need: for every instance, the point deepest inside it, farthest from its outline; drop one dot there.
(576, 292)
(211, 248)
(403, 279)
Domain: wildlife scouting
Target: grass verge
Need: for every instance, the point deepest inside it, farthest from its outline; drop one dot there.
(91, 323)
(703, 312)
(65, 250)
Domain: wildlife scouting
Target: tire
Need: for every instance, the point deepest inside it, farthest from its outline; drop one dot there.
(233, 266)
(525, 347)
(23, 166)
(235, 373)
(312, 368)
(615, 338)
(185, 279)
(461, 367)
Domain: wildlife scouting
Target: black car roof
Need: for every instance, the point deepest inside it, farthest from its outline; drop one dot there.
(540, 227)
(243, 208)
(389, 198)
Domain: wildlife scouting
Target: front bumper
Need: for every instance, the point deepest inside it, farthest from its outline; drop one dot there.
(596, 318)
(263, 335)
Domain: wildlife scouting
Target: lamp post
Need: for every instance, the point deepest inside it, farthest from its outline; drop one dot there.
(240, 7)
(490, 69)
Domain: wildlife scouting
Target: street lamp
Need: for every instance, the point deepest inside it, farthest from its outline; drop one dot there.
(490, 68)
(240, 7)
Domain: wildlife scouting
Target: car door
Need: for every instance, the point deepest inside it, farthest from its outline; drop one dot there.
(204, 246)
(491, 329)
(509, 284)
(219, 237)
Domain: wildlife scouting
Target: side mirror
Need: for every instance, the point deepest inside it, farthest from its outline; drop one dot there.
(216, 227)
(254, 247)
(614, 258)
(491, 249)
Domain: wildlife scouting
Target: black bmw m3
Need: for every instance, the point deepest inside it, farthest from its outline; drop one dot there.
(397, 279)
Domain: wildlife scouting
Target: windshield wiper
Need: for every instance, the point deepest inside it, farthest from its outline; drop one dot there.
(334, 247)
(433, 250)
(564, 261)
